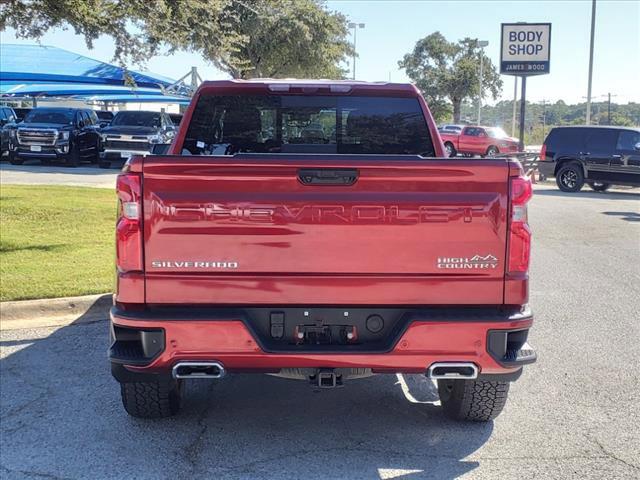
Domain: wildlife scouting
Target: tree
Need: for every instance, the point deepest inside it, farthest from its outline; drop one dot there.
(619, 119)
(246, 38)
(93, 18)
(558, 113)
(281, 38)
(449, 72)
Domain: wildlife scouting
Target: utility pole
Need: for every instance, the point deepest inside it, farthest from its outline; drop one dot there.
(608, 97)
(609, 107)
(593, 29)
(481, 44)
(355, 27)
(515, 106)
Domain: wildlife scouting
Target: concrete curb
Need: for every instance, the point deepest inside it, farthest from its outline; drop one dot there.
(50, 312)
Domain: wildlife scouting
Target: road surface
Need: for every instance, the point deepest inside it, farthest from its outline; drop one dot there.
(574, 414)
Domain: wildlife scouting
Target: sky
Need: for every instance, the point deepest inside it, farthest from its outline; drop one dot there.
(392, 28)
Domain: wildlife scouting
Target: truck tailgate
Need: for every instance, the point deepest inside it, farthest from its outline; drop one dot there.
(248, 230)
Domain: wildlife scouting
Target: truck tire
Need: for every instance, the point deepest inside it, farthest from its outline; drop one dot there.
(570, 177)
(14, 159)
(472, 400)
(492, 151)
(599, 187)
(159, 399)
(73, 158)
(451, 150)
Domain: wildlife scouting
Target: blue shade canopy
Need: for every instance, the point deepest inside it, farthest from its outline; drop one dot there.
(44, 64)
(15, 89)
(139, 99)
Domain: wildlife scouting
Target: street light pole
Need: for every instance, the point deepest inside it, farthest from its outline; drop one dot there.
(593, 29)
(355, 27)
(481, 44)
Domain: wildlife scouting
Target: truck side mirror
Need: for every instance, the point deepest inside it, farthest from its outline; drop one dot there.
(636, 147)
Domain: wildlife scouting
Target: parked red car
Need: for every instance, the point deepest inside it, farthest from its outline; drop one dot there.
(483, 141)
(313, 230)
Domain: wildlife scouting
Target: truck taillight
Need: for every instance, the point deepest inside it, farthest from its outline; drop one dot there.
(543, 152)
(519, 233)
(129, 224)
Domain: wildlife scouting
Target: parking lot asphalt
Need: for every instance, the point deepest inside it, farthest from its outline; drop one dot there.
(574, 414)
(32, 173)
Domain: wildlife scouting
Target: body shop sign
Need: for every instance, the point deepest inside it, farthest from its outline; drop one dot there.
(525, 48)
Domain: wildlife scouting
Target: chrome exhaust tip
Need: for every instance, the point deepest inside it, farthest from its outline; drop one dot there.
(453, 371)
(198, 370)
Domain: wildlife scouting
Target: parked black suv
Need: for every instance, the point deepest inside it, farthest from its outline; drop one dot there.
(7, 118)
(598, 156)
(134, 133)
(21, 112)
(104, 117)
(68, 134)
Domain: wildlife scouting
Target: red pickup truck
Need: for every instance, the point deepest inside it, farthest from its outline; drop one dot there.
(313, 230)
(483, 141)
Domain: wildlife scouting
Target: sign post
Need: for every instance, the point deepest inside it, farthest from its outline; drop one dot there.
(525, 50)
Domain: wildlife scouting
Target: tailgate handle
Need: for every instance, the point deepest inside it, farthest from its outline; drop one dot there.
(328, 176)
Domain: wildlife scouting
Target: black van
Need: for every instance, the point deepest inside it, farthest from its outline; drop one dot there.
(596, 155)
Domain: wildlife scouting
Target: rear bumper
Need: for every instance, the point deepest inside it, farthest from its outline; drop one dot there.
(152, 342)
(547, 168)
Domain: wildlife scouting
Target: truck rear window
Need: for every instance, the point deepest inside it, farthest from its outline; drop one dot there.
(225, 125)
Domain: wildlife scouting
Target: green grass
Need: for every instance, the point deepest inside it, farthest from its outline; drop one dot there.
(55, 241)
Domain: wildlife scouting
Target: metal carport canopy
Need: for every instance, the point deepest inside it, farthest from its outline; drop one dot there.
(36, 71)
(11, 89)
(139, 99)
(29, 64)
